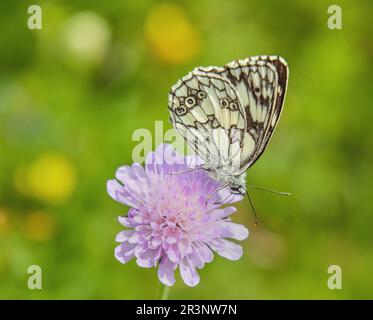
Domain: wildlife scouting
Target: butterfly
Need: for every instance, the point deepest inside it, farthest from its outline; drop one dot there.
(228, 114)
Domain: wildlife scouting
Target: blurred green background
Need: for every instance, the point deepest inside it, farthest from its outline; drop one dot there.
(72, 94)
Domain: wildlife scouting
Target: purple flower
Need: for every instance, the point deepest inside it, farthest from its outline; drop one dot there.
(172, 222)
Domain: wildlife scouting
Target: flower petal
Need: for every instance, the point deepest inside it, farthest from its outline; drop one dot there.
(124, 252)
(226, 196)
(135, 238)
(205, 253)
(124, 235)
(155, 242)
(184, 246)
(226, 249)
(148, 258)
(223, 212)
(139, 171)
(125, 174)
(172, 252)
(196, 258)
(166, 271)
(118, 193)
(233, 230)
(188, 272)
(154, 161)
(150, 162)
(132, 183)
(125, 221)
(171, 157)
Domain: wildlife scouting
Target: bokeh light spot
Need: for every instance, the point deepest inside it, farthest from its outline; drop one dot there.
(40, 226)
(50, 178)
(4, 221)
(171, 34)
(86, 37)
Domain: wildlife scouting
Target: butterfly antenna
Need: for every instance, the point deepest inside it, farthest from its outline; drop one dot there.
(252, 207)
(271, 191)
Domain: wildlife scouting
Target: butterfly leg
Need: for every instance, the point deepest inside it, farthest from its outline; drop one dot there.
(225, 200)
(216, 191)
(187, 170)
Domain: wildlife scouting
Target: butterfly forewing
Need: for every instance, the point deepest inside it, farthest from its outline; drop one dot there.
(205, 110)
(227, 114)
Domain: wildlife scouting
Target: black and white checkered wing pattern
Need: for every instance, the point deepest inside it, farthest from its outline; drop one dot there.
(227, 114)
(260, 84)
(207, 113)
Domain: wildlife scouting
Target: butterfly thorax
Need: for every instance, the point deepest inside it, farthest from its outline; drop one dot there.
(237, 183)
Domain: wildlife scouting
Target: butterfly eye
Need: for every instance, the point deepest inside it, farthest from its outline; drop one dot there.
(190, 101)
(233, 106)
(180, 111)
(224, 102)
(201, 95)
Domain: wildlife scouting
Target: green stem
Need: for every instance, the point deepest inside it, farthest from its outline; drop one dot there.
(165, 292)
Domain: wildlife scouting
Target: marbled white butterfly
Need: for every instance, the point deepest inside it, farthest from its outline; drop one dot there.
(228, 114)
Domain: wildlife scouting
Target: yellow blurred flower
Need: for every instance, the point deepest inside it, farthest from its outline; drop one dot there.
(86, 37)
(4, 221)
(171, 34)
(39, 226)
(51, 178)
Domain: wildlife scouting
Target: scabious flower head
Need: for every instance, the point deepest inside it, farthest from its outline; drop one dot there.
(172, 222)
